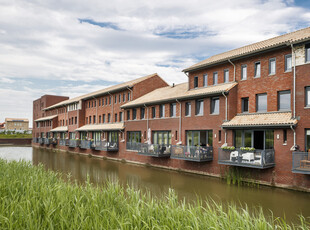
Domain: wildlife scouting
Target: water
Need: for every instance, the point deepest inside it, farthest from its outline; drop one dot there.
(158, 181)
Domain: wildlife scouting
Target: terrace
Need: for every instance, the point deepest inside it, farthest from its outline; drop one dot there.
(301, 162)
(135, 146)
(47, 141)
(85, 144)
(74, 143)
(106, 146)
(155, 150)
(62, 142)
(192, 153)
(252, 159)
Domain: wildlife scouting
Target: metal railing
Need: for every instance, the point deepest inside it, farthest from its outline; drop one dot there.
(74, 143)
(47, 141)
(301, 162)
(34, 140)
(62, 142)
(192, 153)
(154, 150)
(41, 140)
(106, 146)
(85, 144)
(133, 146)
(251, 159)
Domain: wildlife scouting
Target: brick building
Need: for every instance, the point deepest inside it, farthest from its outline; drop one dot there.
(16, 124)
(247, 108)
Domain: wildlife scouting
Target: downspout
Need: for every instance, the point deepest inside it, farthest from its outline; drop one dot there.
(180, 120)
(234, 69)
(131, 93)
(147, 121)
(294, 147)
(226, 112)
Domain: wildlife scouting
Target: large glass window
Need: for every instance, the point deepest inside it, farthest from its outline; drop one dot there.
(238, 138)
(284, 100)
(134, 114)
(257, 69)
(142, 113)
(307, 99)
(288, 62)
(196, 82)
(226, 75)
(245, 105)
(269, 139)
(215, 78)
(109, 117)
(188, 109)
(244, 72)
(113, 136)
(133, 137)
(173, 110)
(162, 137)
(272, 66)
(161, 110)
(261, 102)
(97, 137)
(205, 80)
(259, 139)
(83, 135)
(215, 105)
(199, 138)
(199, 107)
(307, 140)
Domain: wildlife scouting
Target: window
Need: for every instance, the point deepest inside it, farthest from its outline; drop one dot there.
(99, 118)
(115, 117)
(196, 82)
(99, 101)
(188, 109)
(128, 96)
(132, 139)
(261, 102)
(102, 101)
(89, 119)
(134, 114)
(75, 120)
(95, 103)
(92, 104)
(115, 99)
(226, 75)
(199, 107)
(205, 80)
(284, 136)
(272, 66)
(142, 113)
(103, 118)
(124, 97)
(220, 135)
(202, 138)
(307, 47)
(153, 112)
(215, 78)
(109, 117)
(109, 100)
(119, 98)
(307, 147)
(128, 114)
(257, 69)
(307, 93)
(161, 110)
(284, 100)
(89, 104)
(288, 62)
(120, 116)
(94, 119)
(106, 101)
(161, 137)
(244, 72)
(173, 109)
(215, 105)
(245, 105)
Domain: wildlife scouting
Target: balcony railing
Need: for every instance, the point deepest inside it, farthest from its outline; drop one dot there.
(47, 141)
(106, 146)
(54, 141)
(155, 150)
(301, 162)
(34, 140)
(41, 141)
(133, 146)
(251, 159)
(74, 143)
(192, 153)
(85, 144)
(62, 142)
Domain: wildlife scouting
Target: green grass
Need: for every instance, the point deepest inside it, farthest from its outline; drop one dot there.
(14, 135)
(32, 198)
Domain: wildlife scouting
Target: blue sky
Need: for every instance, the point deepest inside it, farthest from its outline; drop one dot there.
(73, 47)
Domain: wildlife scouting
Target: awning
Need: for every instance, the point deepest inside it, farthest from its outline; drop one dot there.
(100, 127)
(60, 129)
(46, 118)
(257, 120)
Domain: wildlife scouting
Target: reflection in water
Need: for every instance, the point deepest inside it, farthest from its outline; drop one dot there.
(158, 182)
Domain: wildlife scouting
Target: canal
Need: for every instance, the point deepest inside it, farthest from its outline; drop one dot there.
(281, 202)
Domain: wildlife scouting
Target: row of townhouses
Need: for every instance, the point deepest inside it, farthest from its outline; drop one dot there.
(247, 108)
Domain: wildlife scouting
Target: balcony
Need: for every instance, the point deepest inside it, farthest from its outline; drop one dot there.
(74, 143)
(85, 144)
(192, 153)
(41, 141)
(155, 150)
(301, 162)
(106, 146)
(35, 140)
(260, 159)
(133, 146)
(62, 142)
(47, 141)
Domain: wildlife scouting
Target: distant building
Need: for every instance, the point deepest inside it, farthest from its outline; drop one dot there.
(2, 125)
(16, 124)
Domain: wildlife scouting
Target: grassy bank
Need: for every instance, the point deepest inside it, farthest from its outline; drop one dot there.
(32, 198)
(14, 135)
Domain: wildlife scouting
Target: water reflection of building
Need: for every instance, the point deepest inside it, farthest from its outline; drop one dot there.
(254, 99)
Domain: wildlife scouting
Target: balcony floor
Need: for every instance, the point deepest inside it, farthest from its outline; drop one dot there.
(154, 154)
(245, 164)
(302, 170)
(192, 158)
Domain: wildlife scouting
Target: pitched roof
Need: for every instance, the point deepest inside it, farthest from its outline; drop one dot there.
(179, 92)
(60, 129)
(276, 119)
(293, 37)
(17, 119)
(99, 127)
(46, 118)
(103, 91)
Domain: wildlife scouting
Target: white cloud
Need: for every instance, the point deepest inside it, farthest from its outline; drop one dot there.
(45, 40)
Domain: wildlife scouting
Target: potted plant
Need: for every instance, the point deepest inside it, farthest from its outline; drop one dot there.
(229, 148)
(247, 149)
